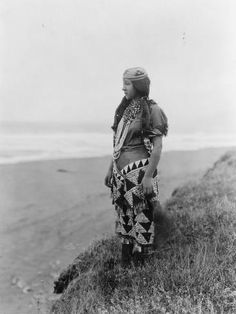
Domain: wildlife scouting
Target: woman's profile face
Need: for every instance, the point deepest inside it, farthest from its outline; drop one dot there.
(128, 88)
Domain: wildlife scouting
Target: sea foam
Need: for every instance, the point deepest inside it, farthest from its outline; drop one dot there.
(28, 146)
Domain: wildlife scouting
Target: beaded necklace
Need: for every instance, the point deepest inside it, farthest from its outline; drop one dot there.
(132, 110)
(128, 116)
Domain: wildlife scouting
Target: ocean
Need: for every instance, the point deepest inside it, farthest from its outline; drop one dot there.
(21, 142)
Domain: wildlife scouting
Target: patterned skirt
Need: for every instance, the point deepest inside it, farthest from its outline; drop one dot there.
(134, 222)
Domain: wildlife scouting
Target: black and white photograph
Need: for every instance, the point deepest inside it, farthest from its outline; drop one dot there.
(117, 156)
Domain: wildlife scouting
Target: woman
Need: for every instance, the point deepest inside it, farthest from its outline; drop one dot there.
(139, 125)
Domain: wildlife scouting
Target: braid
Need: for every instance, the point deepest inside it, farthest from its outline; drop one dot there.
(146, 116)
(119, 112)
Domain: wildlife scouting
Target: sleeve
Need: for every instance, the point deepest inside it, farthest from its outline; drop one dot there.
(158, 121)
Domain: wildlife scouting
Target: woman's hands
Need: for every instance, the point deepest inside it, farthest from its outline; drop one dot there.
(153, 162)
(147, 185)
(108, 179)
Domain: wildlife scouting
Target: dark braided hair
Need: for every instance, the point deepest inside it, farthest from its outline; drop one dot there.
(146, 116)
(119, 112)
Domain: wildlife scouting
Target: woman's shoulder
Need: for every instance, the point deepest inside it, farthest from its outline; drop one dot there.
(152, 102)
(154, 106)
(158, 117)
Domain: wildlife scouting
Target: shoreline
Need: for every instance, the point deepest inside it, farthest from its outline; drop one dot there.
(49, 159)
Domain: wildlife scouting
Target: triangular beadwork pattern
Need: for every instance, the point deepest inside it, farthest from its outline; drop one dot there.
(138, 191)
(132, 233)
(129, 198)
(140, 176)
(120, 201)
(125, 219)
(133, 177)
(148, 213)
(146, 225)
(134, 217)
(141, 239)
(147, 236)
(124, 170)
(129, 185)
(140, 165)
(127, 228)
(146, 162)
(130, 223)
(139, 228)
(142, 218)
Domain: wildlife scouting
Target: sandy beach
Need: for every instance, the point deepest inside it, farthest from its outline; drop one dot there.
(52, 210)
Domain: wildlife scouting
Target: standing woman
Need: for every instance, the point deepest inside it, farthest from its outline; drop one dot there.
(139, 125)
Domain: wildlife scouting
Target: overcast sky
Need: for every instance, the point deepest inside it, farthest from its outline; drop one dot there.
(63, 60)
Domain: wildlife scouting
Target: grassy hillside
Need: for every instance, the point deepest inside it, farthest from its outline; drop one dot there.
(192, 271)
